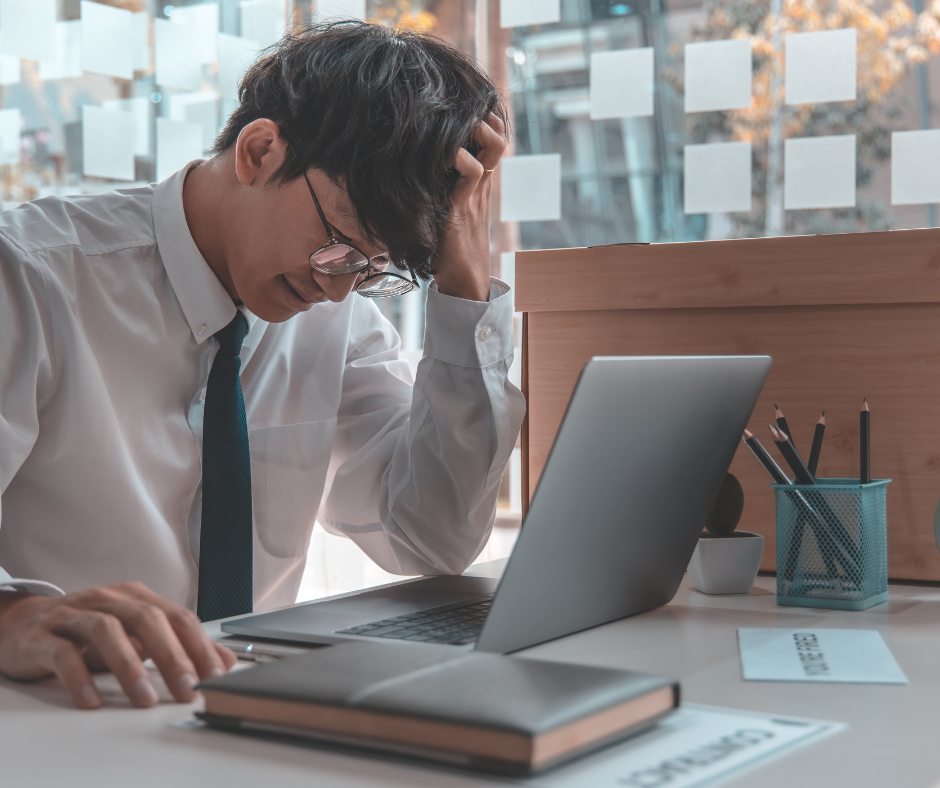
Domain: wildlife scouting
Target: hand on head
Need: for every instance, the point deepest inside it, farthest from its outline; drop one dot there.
(112, 628)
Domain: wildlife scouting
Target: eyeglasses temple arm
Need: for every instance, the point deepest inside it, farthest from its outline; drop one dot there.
(326, 225)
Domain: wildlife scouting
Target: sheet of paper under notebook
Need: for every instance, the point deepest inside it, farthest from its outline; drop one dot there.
(851, 656)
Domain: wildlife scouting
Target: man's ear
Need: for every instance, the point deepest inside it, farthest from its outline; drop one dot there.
(259, 152)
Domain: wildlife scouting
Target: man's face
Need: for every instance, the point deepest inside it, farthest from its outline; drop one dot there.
(276, 229)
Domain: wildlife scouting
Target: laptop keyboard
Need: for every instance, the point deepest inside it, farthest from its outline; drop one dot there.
(455, 627)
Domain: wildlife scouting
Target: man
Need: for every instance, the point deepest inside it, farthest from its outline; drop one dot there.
(188, 381)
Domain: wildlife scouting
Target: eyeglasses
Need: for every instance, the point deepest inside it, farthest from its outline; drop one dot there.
(338, 257)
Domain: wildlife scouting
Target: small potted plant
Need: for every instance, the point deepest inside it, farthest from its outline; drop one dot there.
(726, 561)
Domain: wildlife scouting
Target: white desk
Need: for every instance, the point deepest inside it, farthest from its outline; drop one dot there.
(893, 738)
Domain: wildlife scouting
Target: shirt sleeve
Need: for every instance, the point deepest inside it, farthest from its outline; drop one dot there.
(27, 363)
(416, 470)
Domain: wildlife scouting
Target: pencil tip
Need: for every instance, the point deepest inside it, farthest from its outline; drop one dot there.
(865, 404)
(748, 435)
(775, 406)
(824, 413)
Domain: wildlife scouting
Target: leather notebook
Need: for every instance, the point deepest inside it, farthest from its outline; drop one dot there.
(475, 709)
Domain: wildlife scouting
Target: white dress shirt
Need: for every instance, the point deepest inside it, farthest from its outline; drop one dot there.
(107, 311)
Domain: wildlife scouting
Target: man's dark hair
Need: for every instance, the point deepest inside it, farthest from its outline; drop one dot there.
(383, 113)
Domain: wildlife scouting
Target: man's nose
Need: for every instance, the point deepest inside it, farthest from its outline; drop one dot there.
(336, 288)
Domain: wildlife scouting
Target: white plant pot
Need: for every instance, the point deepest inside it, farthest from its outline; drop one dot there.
(726, 565)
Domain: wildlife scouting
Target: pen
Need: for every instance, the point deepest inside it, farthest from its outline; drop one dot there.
(817, 444)
(864, 419)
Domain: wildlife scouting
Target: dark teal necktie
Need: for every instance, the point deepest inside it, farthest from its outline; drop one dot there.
(225, 542)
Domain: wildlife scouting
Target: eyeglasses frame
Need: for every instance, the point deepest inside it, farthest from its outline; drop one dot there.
(336, 237)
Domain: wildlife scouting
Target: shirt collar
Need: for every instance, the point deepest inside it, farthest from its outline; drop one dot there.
(206, 304)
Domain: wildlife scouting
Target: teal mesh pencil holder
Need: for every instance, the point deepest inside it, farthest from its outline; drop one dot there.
(832, 544)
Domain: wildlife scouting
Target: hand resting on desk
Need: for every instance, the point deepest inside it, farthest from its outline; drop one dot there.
(111, 628)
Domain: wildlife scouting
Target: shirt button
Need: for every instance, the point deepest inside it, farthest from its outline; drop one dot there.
(201, 330)
(485, 333)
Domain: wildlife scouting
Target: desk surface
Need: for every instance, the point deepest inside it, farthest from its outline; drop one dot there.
(891, 738)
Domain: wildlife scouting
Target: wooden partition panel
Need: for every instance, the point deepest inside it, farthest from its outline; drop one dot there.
(842, 316)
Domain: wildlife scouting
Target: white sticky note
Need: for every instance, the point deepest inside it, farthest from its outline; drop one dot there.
(205, 19)
(718, 75)
(106, 40)
(177, 145)
(341, 9)
(915, 167)
(821, 66)
(69, 45)
(235, 55)
(28, 27)
(9, 68)
(819, 172)
(621, 84)
(263, 21)
(718, 177)
(201, 108)
(11, 124)
(530, 188)
(141, 107)
(108, 138)
(521, 13)
(176, 52)
(140, 41)
(856, 656)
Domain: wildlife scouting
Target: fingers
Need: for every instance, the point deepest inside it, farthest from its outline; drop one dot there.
(227, 655)
(62, 657)
(106, 633)
(186, 629)
(471, 171)
(490, 137)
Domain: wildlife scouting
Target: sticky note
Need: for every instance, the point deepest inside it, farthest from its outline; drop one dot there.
(108, 138)
(819, 172)
(521, 13)
(201, 108)
(341, 9)
(69, 45)
(140, 41)
(531, 188)
(106, 40)
(11, 124)
(176, 52)
(263, 21)
(718, 75)
(9, 68)
(820, 66)
(142, 109)
(177, 145)
(621, 84)
(28, 29)
(915, 167)
(718, 177)
(235, 55)
(205, 19)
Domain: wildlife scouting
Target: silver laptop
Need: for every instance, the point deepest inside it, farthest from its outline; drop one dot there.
(632, 475)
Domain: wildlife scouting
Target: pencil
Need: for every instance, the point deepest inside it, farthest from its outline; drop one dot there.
(864, 423)
(765, 459)
(790, 454)
(783, 426)
(817, 444)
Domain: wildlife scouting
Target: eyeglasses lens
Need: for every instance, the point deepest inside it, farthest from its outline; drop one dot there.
(338, 259)
(383, 285)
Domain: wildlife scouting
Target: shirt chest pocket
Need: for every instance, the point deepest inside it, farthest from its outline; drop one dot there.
(288, 470)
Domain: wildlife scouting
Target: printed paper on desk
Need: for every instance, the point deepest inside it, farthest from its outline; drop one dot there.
(854, 656)
(694, 746)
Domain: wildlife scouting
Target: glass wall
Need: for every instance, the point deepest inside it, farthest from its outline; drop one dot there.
(686, 120)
